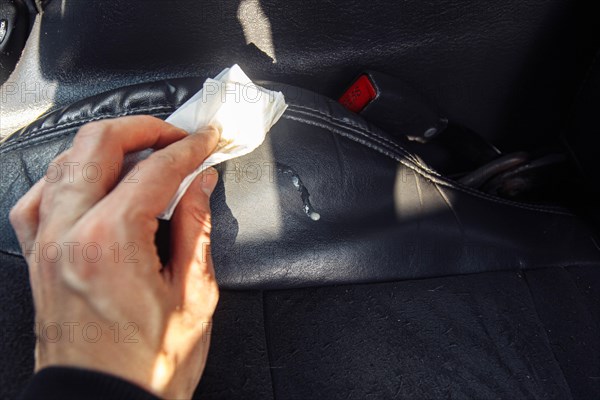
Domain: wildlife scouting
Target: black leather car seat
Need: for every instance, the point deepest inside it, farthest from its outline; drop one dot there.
(408, 285)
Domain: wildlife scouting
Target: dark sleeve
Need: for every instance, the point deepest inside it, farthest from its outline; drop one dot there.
(66, 383)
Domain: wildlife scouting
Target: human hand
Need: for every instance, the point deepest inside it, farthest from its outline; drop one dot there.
(103, 299)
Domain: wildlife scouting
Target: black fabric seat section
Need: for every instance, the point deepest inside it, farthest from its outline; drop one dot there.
(408, 285)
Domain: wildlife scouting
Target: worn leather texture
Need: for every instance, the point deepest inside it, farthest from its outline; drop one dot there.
(524, 323)
(384, 215)
(507, 70)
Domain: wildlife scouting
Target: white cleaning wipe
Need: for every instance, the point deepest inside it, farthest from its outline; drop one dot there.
(242, 111)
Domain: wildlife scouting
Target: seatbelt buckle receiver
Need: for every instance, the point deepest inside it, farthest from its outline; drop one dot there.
(393, 106)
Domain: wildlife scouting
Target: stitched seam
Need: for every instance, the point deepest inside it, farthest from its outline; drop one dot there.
(435, 178)
(383, 151)
(349, 123)
(352, 123)
(362, 132)
(35, 133)
(49, 138)
(366, 132)
(15, 144)
(39, 132)
(344, 124)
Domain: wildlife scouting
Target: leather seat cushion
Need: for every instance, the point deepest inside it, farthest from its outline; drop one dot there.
(384, 214)
(360, 302)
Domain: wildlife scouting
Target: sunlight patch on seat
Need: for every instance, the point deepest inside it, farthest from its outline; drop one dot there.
(252, 194)
(256, 26)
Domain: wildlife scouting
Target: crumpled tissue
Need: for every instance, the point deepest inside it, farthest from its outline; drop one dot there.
(242, 111)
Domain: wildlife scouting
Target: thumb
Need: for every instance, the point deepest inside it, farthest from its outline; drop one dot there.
(191, 263)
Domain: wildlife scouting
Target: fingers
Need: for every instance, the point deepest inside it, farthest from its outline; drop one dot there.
(191, 267)
(24, 216)
(84, 174)
(159, 176)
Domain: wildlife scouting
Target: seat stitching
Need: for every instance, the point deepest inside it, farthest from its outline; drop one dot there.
(368, 132)
(50, 137)
(35, 134)
(440, 180)
(418, 168)
(468, 190)
(363, 132)
(363, 129)
(434, 178)
(349, 122)
(452, 184)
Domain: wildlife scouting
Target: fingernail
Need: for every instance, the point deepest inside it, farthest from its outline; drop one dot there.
(209, 180)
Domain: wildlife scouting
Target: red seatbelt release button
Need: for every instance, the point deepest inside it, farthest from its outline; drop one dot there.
(359, 94)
